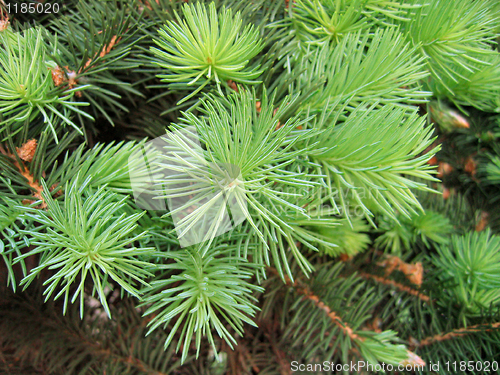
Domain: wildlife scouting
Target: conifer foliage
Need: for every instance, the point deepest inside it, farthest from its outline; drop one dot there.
(353, 144)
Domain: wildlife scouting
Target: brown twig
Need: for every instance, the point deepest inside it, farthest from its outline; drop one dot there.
(106, 50)
(69, 78)
(26, 153)
(300, 288)
(397, 285)
(459, 332)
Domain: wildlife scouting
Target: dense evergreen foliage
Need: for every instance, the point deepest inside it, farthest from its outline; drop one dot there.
(354, 144)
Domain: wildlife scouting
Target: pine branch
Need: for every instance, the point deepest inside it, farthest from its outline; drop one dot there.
(399, 286)
(370, 157)
(89, 235)
(457, 39)
(105, 51)
(63, 345)
(201, 292)
(27, 86)
(247, 163)
(96, 43)
(206, 46)
(329, 21)
(26, 153)
(350, 81)
(459, 332)
(469, 267)
(287, 174)
(304, 290)
(316, 327)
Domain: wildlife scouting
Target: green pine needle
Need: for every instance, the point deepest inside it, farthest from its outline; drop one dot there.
(27, 90)
(470, 265)
(236, 134)
(328, 21)
(199, 294)
(350, 75)
(207, 46)
(456, 37)
(87, 236)
(379, 347)
(12, 238)
(372, 153)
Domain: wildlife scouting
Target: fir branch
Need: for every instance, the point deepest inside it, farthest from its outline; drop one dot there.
(350, 78)
(399, 286)
(317, 22)
(106, 49)
(26, 86)
(458, 333)
(12, 240)
(40, 160)
(247, 162)
(373, 346)
(457, 38)
(200, 294)
(105, 164)
(396, 236)
(95, 44)
(478, 88)
(429, 228)
(327, 21)
(372, 154)
(303, 289)
(350, 238)
(70, 78)
(206, 46)
(332, 126)
(26, 153)
(470, 267)
(89, 235)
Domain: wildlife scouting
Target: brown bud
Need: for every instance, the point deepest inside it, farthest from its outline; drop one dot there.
(482, 222)
(446, 193)
(27, 151)
(416, 274)
(57, 76)
(470, 166)
(4, 24)
(446, 117)
(444, 169)
(432, 161)
(233, 85)
(258, 106)
(344, 257)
